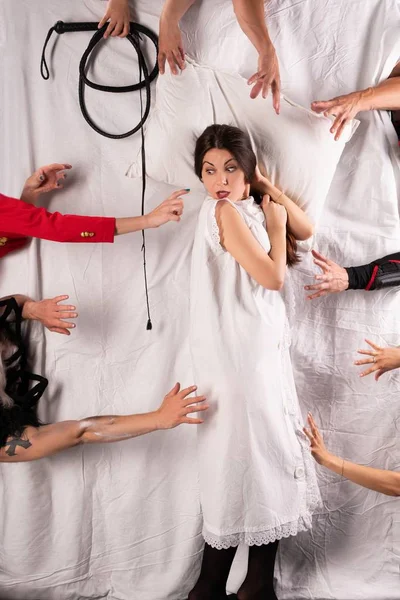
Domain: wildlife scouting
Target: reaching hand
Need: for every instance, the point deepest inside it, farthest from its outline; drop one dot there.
(169, 210)
(259, 181)
(382, 359)
(344, 108)
(51, 314)
(118, 17)
(267, 76)
(170, 47)
(334, 279)
(46, 179)
(177, 406)
(317, 445)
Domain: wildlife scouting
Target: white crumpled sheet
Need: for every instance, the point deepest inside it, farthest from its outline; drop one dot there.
(122, 522)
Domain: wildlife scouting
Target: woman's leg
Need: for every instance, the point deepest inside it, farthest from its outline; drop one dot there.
(259, 582)
(211, 584)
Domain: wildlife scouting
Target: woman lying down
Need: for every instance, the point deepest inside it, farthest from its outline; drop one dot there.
(22, 435)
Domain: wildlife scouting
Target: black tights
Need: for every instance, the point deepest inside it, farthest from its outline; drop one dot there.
(259, 581)
(258, 584)
(215, 567)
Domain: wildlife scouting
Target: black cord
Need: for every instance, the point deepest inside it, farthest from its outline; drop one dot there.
(134, 37)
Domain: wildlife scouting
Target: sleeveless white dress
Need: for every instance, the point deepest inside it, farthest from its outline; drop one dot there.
(257, 478)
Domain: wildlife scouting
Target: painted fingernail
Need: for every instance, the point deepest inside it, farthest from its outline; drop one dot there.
(58, 183)
(187, 189)
(41, 178)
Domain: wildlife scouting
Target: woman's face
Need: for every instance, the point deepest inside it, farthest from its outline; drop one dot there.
(223, 177)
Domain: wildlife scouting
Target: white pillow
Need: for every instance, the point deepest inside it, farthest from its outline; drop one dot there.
(296, 148)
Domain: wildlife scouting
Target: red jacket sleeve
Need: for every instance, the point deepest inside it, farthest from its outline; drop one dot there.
(18, 218)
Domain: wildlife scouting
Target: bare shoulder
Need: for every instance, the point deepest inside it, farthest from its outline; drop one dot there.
(226, 212)
(36, 443)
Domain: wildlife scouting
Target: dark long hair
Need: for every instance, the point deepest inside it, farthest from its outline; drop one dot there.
(237, 142)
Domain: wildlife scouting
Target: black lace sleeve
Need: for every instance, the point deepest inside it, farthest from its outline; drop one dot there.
(380, 273)
(23, 389)
(10, 328)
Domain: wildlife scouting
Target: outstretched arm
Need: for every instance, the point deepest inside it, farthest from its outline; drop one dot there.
(170, 38)
(251, 18)
(379, 480)
(22, 219)
(384, 96)
(49, 439)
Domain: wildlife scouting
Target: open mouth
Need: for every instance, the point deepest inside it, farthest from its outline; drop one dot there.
(223, 194)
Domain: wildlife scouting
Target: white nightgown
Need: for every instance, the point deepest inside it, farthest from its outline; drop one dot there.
(257, 478)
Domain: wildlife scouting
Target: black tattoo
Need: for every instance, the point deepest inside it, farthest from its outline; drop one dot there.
(12, 444)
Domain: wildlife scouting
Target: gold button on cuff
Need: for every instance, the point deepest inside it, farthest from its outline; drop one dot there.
(91, 234)
(3, 241)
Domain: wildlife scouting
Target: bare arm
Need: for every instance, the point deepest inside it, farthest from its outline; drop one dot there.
(237, 239)
(170, 39)
(379, 480)
(173, 10)
(49, 439)
(298, 221)
(169, 210)
(385, 96)
(251, 18)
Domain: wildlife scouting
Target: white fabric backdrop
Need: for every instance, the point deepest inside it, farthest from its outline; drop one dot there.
(123, 521)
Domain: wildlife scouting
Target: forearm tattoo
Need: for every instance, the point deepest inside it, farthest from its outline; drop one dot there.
(14, 442)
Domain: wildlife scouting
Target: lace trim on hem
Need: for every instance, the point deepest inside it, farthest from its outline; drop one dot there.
(258, 538)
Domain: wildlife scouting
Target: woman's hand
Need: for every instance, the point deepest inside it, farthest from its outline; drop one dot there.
(260, 182)
(170, 46)
(317, 445)
(334, 279)
(267, 76)
(46, 179)
(169, 210)
(51, 314)
(177, 406)
(344, 108)
(118, 17)
(275, 214)
(382, 359)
